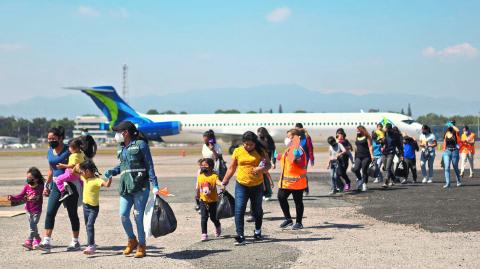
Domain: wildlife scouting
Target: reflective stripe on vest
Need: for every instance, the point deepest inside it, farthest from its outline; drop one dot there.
(133, 171)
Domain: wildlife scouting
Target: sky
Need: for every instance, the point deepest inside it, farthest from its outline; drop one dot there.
(423, 47)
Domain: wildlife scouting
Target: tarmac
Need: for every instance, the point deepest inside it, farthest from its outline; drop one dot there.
(406, 226)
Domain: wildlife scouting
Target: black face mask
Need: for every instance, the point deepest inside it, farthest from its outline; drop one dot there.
(204, 170)
(30, 182)
(359, 134)
(53, 144)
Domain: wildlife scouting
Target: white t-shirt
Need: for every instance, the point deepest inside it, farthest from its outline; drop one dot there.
(427, 139)
(333, 153)
(207, 153)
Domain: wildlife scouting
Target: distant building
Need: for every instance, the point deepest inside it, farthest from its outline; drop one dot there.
(96, 126)
(7, 140)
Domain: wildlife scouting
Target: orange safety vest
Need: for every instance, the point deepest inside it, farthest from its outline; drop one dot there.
(294, 172)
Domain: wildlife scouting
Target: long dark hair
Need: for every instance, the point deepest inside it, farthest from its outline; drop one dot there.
(265, 136)
(86, 144)
(35, 172)
(90, 165)
(251, 136)
(57, 131)
(427, 128)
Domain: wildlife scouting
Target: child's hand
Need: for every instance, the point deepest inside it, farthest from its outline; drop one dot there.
(61, 166)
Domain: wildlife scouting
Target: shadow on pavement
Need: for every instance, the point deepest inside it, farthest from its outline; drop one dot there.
(194, 254)
(328, 225)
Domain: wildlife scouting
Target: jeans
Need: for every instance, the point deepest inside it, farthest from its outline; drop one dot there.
(268, 189)
(466, 156)
(71, 203)
(283, 195)
(90, 214)
(139, 201)
(208, 210)
(451, 157)
(33, 220)
(424, 162)
(361, 164)
(389, 167)
(242, 195)
(377, 161)
(334, 175)
(342, 172)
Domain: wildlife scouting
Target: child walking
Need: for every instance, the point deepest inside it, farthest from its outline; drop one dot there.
(91, 194)
(207, 183)
(32, 194)
(336, 151)
(76, 157)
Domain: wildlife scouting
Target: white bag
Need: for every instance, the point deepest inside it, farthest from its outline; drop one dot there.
(147, 216)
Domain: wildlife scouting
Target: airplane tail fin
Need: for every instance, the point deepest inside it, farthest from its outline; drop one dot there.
(111, 104)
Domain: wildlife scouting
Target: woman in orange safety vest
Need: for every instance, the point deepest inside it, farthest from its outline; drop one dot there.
(293, 179)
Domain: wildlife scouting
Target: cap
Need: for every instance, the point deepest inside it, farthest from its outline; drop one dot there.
(299, 125)
(125, 125)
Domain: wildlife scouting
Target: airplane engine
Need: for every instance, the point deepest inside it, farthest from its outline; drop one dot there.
(155, 130)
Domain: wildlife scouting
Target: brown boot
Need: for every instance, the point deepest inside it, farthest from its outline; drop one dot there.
(131, 245)
(141, 251)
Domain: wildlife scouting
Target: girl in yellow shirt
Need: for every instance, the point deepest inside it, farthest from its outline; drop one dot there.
(207, 182)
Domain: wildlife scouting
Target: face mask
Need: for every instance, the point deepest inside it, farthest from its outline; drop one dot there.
(53, 144)
(119, 138)
(288, 141)
(204, 169)
(31, 182)
(359, 134)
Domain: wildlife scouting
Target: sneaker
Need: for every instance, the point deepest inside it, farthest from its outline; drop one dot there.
(429, 180)
(346, 188)
(257, 236)
(297, 226)
(459, 184)
(404, 181)
(385, 185)
(332, 192)
(250, 219)
(28, 244)
(74, 246)
(391, 183)
(36, 243)
(471, 175)
(47, 247)
(204, 237)
(197, 208)
(218, 231)
(286, 223)
(90, 250)
(364, 187)
(376, 180)
(446, 186)
(240, 240)
(424, 180)
(359, 184)
(266, 199)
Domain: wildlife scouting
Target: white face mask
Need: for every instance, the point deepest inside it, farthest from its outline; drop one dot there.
(119, 138)
(288, 141)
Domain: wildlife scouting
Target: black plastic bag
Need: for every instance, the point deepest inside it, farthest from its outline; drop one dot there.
(163, 219)
(226, 205)
(401, 170)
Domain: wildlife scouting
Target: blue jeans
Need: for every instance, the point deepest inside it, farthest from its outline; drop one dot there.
(377, 161)
(334, 175)
(90, 214)
(139, 201)
(242, 195)
(424, 162)
(453, 157)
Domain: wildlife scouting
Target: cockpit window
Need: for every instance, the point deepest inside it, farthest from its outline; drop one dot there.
(408, 121)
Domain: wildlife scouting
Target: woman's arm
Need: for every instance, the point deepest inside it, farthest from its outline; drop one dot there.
(147, 157)
(370, 147)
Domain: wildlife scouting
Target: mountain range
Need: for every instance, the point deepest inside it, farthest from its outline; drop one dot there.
(266, 97)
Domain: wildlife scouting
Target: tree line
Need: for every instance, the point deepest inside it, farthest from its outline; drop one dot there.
(29, 131)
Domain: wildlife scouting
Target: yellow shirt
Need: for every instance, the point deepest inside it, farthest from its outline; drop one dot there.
(380, 134)
(247, 161)
(209, 182)
(76, 158)
(91, 190)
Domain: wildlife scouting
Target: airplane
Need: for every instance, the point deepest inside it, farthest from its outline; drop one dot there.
(230, 127)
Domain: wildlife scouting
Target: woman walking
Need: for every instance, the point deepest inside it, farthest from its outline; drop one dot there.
(293, 179)
(250, 161)
(428, 143)
(363, 157)
(58, 154)
(136, 173)
(451, 141)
